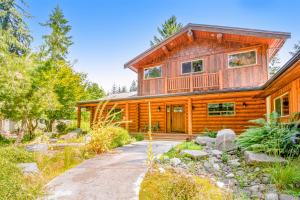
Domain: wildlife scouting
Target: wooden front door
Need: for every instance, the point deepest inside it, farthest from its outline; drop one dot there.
(177, 118)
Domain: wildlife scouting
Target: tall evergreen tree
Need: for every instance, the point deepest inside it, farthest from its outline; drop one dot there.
(167, 29)
(114, 89)
(295, 49)
(57, 43)
(123, 89)
(12, 21)
(133, 86)
(274, 65)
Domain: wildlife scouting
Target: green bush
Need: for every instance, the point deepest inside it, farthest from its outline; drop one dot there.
(212, 134)
(175, 151)
(4, 141)
(28, 137)
(287, 177)
(61, 127)
(139, 136)
(120, 137)
(16, 155)
(270, 137)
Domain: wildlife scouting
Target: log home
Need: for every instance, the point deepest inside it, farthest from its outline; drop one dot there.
(204, 78)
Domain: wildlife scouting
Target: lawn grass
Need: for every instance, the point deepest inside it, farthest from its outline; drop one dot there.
(176, 186)
(175, 151)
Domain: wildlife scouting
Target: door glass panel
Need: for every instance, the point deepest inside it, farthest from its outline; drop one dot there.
(177, 109)
(278, 106)
(285, 105)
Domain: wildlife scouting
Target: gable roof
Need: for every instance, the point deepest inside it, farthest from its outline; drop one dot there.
(278, 38)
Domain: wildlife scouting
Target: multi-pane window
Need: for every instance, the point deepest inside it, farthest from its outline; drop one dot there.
(192, 67)
(281, 105)
(242, 59)
(221, 109)
(152, 72)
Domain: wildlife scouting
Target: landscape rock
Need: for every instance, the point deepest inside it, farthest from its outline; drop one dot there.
(41, 147)
(216, 152)
(234, 163)
(53, 140)
(230, 175)
(175, 161)
(204, 140)
(72, 135)
(287, 197)
(271, 196)
(225, 140)
(29, 168)
(253, 158)
(194, 154)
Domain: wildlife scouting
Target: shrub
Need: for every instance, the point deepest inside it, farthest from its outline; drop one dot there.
(174, 185)
(120, 137)
(287, 177)
(212, 134)
(16, 155)
(61, 127)
(139, 136)
(175, 151)
(270, 137)
(4, 141)
(28, 137)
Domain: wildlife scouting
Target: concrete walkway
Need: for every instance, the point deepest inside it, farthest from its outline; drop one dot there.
(113, 176)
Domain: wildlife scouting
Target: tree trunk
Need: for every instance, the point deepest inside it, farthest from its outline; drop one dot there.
(49, 125)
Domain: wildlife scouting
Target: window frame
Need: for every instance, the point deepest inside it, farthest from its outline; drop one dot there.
(191, 61)
(239, 52)
(144, 78)
(234, 111)
(281, 104)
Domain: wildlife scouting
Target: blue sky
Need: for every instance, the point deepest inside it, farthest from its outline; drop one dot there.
(108, 33)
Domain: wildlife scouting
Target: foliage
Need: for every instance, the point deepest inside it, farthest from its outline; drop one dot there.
(28, 137)
(106, 133)
(177, 186)
(274, 65)
(209, 133)
(94, 91)
(224, 157)
(270, 137)
(15, 154)
(133, 86)
(138, 136)
(4, 141)
(61, 127)
(18, 38)
(175, 151)
(167, 29)
(296, 48)
(287, 177)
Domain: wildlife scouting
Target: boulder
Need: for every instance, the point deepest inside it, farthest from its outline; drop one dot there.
(204, 140)
(253, 158)
(40, 147)
(216, 152)
(71, 135)
(287, 197)
(271, 196)
(234, 163)
(29, 168)
(225, 140)
(194, 154)
(175, 161)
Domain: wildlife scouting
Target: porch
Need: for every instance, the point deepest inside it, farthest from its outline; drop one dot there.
(180, 84)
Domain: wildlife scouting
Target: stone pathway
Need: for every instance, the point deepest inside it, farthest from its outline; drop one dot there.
(113, 176)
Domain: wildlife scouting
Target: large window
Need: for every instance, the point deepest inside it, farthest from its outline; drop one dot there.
(281, 105)
(221, 109)
(242, 59)
(152, 72)
(192, 67)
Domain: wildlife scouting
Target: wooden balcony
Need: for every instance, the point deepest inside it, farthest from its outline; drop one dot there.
(189, 83)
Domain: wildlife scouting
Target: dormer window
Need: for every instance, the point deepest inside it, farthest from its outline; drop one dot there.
(192, 66)
(152, 72)
(242, 59)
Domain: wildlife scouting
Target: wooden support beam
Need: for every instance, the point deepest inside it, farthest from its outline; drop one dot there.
(127, 116)
(219, 37)
(166, 85)
(78, 117)
(190, 35)
(165, 50)
(190, 124)
(92, 110)
(191, 83)
(221, 86)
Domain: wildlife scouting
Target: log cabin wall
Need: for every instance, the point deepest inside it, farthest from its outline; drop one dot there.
(215, 57)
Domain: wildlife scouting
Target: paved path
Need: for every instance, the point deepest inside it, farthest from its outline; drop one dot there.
(113, 176)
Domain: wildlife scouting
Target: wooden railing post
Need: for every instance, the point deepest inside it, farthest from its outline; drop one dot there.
(78, 117)
(190, 128)
(221, 86)
(191, 83)
(166, 85)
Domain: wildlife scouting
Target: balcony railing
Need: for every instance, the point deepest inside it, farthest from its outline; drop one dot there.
(190, 83)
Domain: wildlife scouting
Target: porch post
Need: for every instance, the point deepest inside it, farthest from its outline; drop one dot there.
(190, 124)
(127, 116)
(92, 115)
(221, 80)
(166, 85)
(78, 116)
(191, 83)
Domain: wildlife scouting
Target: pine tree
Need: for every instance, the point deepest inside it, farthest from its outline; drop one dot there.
(167, 29)
(295, 49)
(114, 89)
(274, 65)
(123, 89)
(58, 42)
(12, 23)
(133, 86)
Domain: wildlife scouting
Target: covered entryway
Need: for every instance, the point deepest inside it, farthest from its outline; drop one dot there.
(175, 118)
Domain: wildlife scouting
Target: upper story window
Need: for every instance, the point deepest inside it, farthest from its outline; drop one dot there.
(152, 72)
(242, 59)
(192, 67)
(221, 109)
(281, 105)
